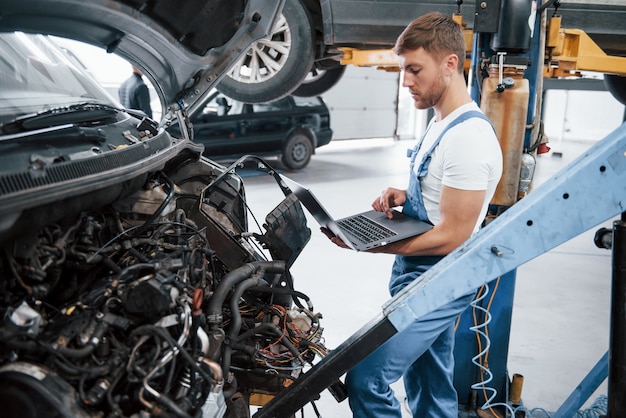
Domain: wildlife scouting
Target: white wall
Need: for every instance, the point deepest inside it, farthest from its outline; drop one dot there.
(580, 115)
(363, 105)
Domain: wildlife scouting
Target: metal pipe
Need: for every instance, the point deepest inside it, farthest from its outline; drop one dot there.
(617, 348)
(232, 278)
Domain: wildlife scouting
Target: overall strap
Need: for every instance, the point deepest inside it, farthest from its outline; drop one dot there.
(461, 118)
(423, 167)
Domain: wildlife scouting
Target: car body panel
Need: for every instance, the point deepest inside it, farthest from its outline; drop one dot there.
(376, 24)
(371, 24)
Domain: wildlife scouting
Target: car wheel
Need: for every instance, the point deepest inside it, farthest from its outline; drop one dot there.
(297, 151)
(319, 81)
(616, 85)
(273, 68)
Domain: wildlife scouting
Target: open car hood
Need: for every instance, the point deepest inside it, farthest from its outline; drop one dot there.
(183, 47)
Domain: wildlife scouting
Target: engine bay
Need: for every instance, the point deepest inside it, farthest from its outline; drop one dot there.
(160, 303)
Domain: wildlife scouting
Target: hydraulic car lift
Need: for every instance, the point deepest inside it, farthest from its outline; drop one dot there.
(591, 190)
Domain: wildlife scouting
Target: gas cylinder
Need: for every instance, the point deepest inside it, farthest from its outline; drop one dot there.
(506, 105)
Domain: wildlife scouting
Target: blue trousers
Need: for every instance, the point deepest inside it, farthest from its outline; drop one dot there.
(422, 354)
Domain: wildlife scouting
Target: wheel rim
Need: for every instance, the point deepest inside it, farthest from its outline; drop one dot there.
(314, 75)
(299, 152)
(265, 57)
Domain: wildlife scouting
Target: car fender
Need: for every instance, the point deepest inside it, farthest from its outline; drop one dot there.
(327, 21)
(308, 130)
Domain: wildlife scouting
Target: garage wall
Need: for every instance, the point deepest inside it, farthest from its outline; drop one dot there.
(578, 114)
(363, 104)
(369, 103)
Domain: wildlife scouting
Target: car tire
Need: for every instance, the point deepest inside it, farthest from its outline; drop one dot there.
(297, 150)
(319, 81)
(264, 73)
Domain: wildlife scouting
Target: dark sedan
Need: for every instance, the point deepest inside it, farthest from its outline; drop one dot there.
(292, 127)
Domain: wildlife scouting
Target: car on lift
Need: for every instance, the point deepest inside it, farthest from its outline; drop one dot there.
(303, 55)
(291, 127)
(130, 283)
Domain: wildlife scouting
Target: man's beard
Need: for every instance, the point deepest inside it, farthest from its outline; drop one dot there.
(432, 96)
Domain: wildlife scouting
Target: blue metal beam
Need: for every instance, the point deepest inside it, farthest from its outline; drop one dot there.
(585, 389)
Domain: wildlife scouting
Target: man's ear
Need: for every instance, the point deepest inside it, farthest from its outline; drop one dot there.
(451, 62)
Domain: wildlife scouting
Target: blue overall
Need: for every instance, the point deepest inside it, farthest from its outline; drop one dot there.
(421, 353)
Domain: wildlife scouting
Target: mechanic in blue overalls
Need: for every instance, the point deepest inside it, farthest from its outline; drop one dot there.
(455, 169)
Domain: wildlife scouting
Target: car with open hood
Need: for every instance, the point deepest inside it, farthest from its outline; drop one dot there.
(130, 282)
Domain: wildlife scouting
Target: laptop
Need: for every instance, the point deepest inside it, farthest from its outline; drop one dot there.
(363, 231)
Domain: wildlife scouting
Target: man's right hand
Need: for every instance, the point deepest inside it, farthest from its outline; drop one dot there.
(389, 198)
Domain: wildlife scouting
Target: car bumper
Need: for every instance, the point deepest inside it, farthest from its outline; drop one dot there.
(324, 137)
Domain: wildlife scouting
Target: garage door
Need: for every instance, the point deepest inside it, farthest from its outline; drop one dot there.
(363, 104)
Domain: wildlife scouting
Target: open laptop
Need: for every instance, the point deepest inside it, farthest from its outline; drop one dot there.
(362, 231)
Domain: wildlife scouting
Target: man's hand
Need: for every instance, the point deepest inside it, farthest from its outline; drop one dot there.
(389, 198)
(333, 238)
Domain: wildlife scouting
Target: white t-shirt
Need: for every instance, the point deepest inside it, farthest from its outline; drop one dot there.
(468, 157)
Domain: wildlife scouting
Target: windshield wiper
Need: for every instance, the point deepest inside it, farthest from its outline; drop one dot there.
(64, 132)
(74, 114)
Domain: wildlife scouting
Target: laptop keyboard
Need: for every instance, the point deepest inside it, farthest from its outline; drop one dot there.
(365, 229)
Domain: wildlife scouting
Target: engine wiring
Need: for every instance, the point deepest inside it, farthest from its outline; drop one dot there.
(144, 313)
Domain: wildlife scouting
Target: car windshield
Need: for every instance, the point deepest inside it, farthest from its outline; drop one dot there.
(36, 75)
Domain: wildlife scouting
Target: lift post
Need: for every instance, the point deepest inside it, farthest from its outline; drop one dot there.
(617, 350)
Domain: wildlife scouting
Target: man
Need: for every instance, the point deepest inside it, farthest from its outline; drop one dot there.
(455, 169)
(134, 93)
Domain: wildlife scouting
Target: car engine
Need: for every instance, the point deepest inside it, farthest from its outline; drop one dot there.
(159, 303)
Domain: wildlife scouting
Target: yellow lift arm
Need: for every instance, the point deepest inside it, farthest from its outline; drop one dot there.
(569, 51)
(572, 50)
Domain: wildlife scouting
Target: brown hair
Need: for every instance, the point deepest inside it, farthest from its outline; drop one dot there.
(437, 33)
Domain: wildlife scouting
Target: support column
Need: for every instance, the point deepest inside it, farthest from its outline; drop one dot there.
(617, 347)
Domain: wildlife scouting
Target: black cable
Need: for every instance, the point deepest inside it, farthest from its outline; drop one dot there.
(117, 411)
(160, 332)
(274, 330)
(235, 325)
(317, 413)
(285, 290)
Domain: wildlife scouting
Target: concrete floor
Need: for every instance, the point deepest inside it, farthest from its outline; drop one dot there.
(560, 325)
